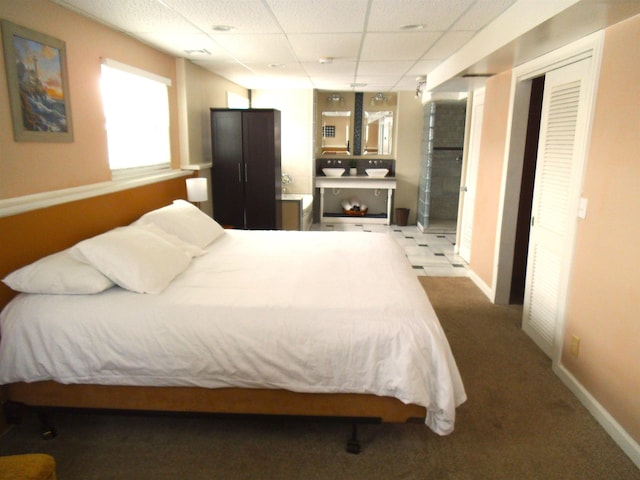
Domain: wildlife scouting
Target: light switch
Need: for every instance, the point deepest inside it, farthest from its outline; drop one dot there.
(582, 209)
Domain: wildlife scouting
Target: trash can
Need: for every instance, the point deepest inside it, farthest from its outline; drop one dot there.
(402, 216)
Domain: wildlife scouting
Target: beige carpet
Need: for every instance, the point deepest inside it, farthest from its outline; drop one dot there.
(520, 422)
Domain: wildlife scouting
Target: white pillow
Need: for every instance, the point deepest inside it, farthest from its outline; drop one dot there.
(188, 248)
(134, 258)
(59, 273)
(185, 221)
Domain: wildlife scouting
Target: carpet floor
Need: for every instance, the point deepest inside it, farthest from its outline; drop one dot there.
(520, 422)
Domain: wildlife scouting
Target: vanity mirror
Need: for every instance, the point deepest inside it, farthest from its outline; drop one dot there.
(336, 128)
(358, 124)
(377, 134)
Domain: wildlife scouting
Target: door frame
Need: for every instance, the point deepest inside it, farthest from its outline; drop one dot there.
(471, 159)
(589, 46)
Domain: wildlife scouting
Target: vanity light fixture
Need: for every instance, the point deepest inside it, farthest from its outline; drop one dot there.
(378, 98)
(335, 98)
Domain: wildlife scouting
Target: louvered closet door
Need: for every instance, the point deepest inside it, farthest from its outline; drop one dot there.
(558, 174)
(470, 181)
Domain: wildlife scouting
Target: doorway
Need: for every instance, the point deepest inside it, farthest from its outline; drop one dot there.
(523, 222)
(570, 78)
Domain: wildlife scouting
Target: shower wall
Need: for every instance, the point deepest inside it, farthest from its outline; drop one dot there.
(441, 161)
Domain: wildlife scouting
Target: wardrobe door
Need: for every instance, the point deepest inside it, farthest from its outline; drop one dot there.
(262, 169)
(227, 171)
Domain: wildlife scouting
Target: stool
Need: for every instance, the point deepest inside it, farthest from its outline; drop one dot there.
(30, 466)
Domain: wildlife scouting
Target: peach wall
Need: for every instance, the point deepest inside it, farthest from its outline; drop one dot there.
(604, 289)
(491, 160)
(32, 167)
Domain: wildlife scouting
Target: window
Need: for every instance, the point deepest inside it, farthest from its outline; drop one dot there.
(136, 105)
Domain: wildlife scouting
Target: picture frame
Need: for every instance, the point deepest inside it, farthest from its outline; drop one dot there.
(36, 66)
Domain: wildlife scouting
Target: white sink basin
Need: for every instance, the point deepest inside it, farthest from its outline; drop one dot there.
(333, 172)
(377, 172)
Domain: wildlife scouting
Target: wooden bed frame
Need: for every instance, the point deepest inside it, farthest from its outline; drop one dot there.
(32, 235)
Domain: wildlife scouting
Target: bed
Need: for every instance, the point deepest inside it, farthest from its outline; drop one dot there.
(259, 322)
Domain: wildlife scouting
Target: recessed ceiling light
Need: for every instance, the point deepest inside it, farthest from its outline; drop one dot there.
(276, 65)
(222, 28)
(357, 85)
(325, 60)
(412, 26)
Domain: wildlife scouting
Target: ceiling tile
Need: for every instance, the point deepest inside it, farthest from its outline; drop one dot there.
(132, 15)
(310, 47)
(267, 49)
(396, 69)
(178, 43)
(335, 68)
(280, 71)
(313, 16)
(247, 16)
(388, 16)
(405, 46)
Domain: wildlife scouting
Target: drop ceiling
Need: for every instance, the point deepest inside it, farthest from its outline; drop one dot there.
(363, 45)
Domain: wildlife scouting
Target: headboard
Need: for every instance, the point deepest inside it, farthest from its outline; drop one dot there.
(29, 236)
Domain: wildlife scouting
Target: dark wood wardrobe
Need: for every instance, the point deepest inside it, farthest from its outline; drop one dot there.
(245, 175)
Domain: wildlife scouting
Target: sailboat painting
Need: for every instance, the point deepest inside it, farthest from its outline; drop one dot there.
(38, 85)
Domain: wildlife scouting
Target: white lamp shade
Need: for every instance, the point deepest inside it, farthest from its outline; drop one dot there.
(197, 189)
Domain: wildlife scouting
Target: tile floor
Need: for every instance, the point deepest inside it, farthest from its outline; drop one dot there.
(430, 253)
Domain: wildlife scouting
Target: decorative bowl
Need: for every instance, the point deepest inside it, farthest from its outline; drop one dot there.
(355, 213)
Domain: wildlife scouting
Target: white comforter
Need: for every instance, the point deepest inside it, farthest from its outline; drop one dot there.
(302, 311)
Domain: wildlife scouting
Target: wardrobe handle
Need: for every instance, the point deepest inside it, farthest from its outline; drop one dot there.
(239, 174)
(246, 175)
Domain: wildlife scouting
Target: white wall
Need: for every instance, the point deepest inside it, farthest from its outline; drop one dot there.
(408, 140)
(296, 107)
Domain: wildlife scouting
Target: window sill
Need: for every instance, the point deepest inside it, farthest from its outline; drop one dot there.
(26, 203)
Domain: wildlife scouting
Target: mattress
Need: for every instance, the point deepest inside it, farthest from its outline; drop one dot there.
(322, 312)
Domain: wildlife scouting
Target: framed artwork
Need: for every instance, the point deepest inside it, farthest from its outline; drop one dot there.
(36, 67)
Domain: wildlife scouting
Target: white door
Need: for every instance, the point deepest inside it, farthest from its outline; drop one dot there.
(469, 184)
(561, 152)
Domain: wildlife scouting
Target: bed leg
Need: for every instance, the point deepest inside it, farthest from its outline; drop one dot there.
(47, 430)
(353, 444)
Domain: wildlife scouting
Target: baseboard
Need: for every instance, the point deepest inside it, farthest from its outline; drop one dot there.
(484, 288)
(604, 418)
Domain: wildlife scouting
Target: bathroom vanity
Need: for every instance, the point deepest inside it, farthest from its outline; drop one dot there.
(374, 191)
(354, 152)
